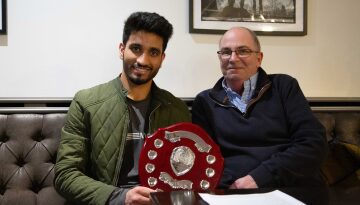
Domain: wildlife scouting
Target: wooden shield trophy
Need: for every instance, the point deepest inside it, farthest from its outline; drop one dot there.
(181, 156)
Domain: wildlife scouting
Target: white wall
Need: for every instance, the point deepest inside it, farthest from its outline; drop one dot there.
(56, 47)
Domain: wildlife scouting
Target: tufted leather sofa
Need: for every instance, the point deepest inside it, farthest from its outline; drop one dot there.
(29, 137)
(341, 169)
(28, 145)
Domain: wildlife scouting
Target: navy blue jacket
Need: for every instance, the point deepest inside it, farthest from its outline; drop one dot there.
(277, 140)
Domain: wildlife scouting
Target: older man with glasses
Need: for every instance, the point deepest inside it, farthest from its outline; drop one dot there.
(263, 124)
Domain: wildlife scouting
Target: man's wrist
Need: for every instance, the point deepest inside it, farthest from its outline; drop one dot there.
(117, 197)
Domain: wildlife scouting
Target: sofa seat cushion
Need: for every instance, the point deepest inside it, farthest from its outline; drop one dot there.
(339, 164)
(346, 191)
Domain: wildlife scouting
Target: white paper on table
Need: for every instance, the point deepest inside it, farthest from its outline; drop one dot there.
(271, 198)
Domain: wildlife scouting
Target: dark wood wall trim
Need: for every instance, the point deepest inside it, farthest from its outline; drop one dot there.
(61, 104)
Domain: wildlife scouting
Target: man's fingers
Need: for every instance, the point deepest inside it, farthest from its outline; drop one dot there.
(144, 191)
(138, 195)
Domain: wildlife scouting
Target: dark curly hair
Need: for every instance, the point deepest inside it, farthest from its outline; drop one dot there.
(148, 22)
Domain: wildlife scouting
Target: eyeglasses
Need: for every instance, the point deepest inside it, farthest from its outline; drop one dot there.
(241, 53)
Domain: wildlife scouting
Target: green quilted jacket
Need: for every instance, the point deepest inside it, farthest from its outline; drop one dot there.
(93, 139)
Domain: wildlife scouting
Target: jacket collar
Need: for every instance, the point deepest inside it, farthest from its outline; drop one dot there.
(156, 94)
(218, 94)
(119, 87)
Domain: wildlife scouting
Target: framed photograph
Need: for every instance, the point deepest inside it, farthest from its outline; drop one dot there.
(2, 16)
(265, 17)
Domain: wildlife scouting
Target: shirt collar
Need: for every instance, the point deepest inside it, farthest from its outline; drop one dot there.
(241, 101)
(249, 84)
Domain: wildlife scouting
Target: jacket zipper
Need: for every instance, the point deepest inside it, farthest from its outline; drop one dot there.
(149, 127)
(121, 153)
(252, 101)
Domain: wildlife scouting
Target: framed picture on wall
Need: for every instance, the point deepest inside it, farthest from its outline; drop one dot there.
(265, 17)
(2, 16)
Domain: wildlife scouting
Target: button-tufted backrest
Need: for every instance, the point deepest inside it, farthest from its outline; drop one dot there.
(341, 126)
(343, 135)
(28, 146)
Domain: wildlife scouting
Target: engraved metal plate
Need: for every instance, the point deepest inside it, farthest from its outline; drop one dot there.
(182, 160)
(181, 156)
(152, 154)
(149, 167)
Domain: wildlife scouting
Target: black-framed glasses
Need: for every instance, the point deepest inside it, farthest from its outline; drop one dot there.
(241, 53)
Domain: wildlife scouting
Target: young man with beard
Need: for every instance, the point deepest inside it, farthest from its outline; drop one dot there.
(106, 125)
(266, 131)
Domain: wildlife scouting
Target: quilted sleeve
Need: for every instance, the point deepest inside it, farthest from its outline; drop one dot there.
(71, 180)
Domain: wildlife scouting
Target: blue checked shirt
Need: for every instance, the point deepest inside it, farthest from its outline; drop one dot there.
(241, 101)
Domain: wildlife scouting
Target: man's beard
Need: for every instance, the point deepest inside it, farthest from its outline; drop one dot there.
(138, 80)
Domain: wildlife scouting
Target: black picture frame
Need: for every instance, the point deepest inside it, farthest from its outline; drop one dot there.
(3, 25)
(288, 20)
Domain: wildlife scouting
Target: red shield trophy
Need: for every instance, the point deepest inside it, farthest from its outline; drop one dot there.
(181, 156)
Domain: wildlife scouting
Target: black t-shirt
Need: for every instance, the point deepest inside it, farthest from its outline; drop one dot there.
(129, 174)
